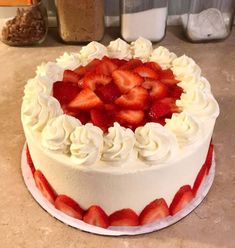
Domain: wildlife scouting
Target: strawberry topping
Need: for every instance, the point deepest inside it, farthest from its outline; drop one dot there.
(70, 76)
(145, 71)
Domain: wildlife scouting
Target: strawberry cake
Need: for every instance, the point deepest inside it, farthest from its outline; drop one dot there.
(119, 135)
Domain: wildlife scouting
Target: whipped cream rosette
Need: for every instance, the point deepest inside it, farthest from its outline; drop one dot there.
(69, 61)
(119, 49)
(142, 49)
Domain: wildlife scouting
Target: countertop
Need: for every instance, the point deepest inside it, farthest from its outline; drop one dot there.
(24, 224)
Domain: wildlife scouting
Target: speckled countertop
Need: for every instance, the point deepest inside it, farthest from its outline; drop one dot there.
(24, 224)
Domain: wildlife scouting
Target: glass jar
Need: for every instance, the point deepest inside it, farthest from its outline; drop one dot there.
(143, 18)
(80, 20)
(209, 20)
(23, 25)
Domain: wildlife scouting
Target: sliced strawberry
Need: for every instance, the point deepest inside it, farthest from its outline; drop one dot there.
(175, 91)
(108, 93)
(65, 92)
(96, 216)
(159, 110)
(183, 196)
(124, 217)
(102, 119)
(82, 70)
(43, 185)
(157, 89)
(94, 79)
(83, 116)
(161, 120)
(199, 179)
(111, 108)
(69, 206)
(154, 211)
(130, 117)
(154, 66)
(171, 103)
(134, 99)
(167, 77)
(145, 71)
(106, 66)
(118, 62)
(131, 64)
(126, 80)
(29, 160)
(85, 100)
(209, 157)
(70, 76)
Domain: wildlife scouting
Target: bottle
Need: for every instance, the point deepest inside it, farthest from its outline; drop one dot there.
(24, 24)
(80, 20)
(145, 19)
(209, 20)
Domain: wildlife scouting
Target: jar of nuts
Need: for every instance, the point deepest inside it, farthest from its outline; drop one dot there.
(23, 25)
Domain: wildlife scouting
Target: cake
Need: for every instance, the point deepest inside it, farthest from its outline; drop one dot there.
(119, 135)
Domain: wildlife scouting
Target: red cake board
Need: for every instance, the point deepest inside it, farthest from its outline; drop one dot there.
(113, 231)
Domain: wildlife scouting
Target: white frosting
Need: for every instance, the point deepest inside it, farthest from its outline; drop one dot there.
(199, 103)
(69, 61)
(193, 82)
(118, 144)
(39, 110)
(56, 134)
(34, 86)
(87, 143)
(51, 70)
(155, 144)
(119, 49)
(163, 57)
(186, 129)
(184, 66)
(142, 49)
(94, 50)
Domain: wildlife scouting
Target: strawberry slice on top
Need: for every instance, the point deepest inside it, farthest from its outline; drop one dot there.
(101, 119)
(70, 76)
(154, 66)
(157, 89)
(94, 79)
(126, 80)
(85, 100)
(134, 99)
(106, 67)
(167, 77)
(108, 93)
(90, 67)
(131, 64)
(146, 72)
(130, 118)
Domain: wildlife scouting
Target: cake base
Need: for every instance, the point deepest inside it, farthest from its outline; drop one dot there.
(113, 231)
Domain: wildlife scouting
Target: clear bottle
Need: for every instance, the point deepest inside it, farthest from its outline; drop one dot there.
(143, 18)
(23, 25)
(80, 20)
(209, 20)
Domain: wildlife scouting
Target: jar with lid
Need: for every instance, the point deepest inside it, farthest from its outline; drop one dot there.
(24, 24)
(209, 20)
(80, 20)
(143, 19)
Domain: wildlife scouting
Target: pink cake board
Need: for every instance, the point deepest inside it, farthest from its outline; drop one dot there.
(113, 231)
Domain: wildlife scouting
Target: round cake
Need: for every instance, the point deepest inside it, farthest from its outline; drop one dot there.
(119, 135)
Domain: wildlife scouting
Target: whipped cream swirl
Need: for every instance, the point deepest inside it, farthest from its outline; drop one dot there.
(118, 143)
(56, 134)
(199, 103)
(186, 129)
(155, 144)
(37, 85)
(194, 82)
(119, 49)
(94, 50)
(163, 57)
(184, 66)
(69, 61)
(51, 71)
(142, 49)
(39, 110)
(87, 143)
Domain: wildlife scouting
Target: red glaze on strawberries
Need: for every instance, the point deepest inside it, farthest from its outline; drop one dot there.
(113, 90)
